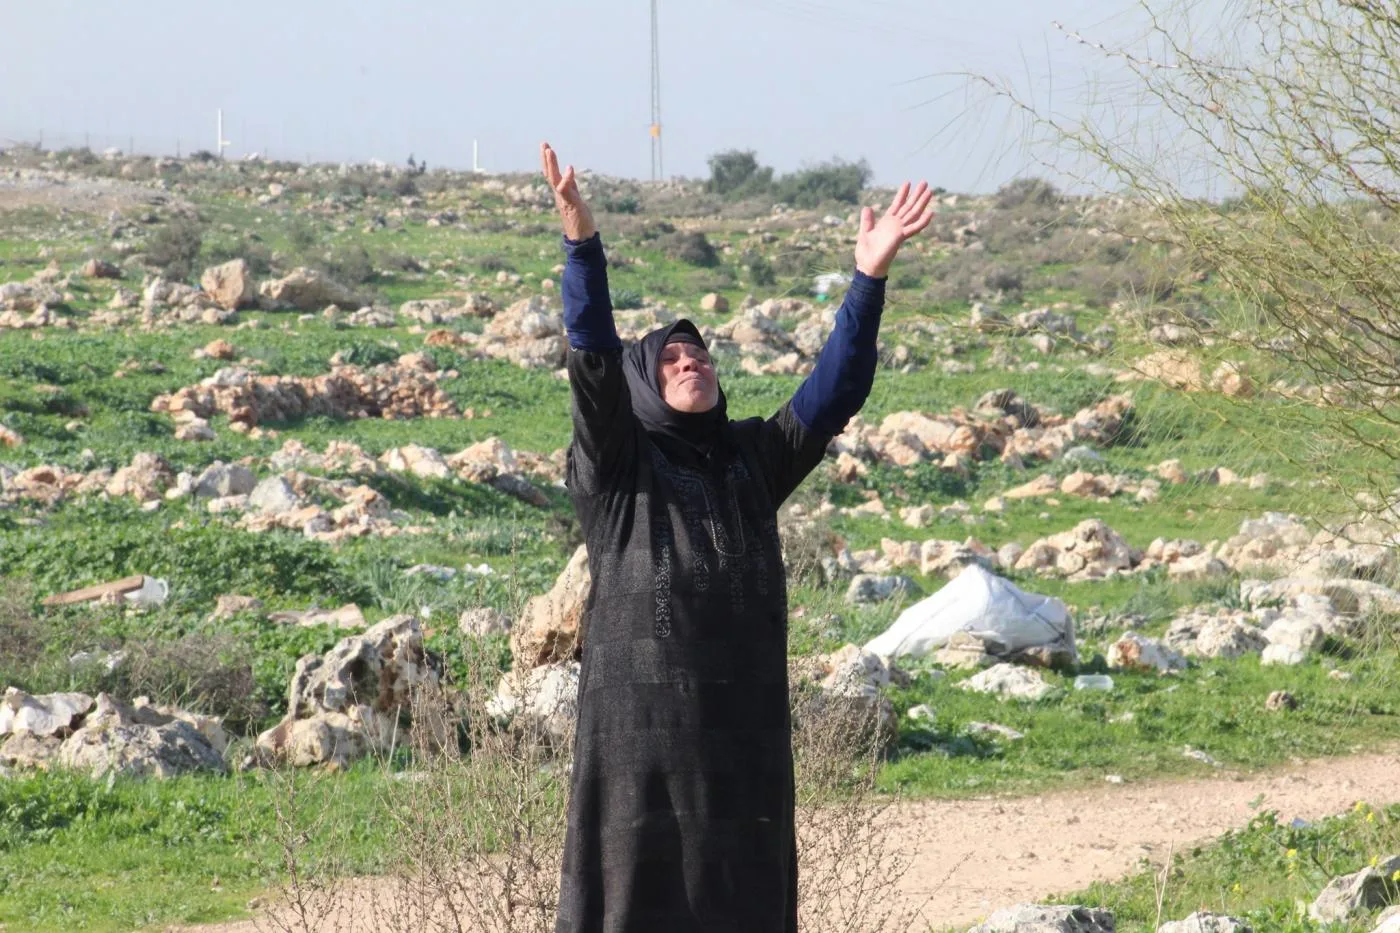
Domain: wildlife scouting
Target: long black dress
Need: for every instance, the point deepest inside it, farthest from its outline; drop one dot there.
(681, 807)
(681, 817)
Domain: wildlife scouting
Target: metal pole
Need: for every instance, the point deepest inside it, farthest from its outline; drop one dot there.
(657, 167)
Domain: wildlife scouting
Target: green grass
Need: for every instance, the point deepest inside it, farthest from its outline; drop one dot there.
(1139, 729)
(78, 854)
(1260, 873)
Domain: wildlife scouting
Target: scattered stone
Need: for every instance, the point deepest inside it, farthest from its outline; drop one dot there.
(920, 712)
(1035, 918)
(1388, 921)
(548, 629)
(144, 479)
(230, 605)
(1349, 895)
(141, 741)
(483, 621)
(528, 333)
(1282, 654)
(714, 302)
(542, 701)
(1222, 638)
(992, 728)
(424, 462)
(347, 392)
(51, 714)
(964, 651)
(874, 588)
(99, 269)
(347, 616)
(273, 495)
(1197, 755)
(352, 701)
(1043, 485)
(1206, 923)
(1280, 700)
(10, 438)
(230, 285)
(1009, 681)
(216, 350)
(1091, 550)
(1016, 435)
(220, 480)
(306, 290)
(850, 684)
(195, 429)
(1134, 652)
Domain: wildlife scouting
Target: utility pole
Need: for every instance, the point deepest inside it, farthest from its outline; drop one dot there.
(221, 144)
(657, 169)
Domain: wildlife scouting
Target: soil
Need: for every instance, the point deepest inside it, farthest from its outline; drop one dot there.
(973, 857)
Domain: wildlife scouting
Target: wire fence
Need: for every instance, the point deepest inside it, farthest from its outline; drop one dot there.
(128, 144)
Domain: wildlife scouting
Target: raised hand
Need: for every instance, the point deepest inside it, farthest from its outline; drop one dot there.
(878, 242)
(573, 210)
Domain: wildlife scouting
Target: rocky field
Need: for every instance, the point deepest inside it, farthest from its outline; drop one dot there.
(285, 549)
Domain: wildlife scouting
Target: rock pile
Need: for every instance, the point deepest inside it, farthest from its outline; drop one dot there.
(352, 701)
(104, 736)
(1002, 425)
(1089, 551)
(406, 389)
(528, 333)
(307, 290)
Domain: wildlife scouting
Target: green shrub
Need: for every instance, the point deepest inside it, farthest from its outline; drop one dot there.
(693, 248)
(836, 180)
(203, 559)
(174, 247)
(349, 265)
(736, 174)
(1026, 191)
(760, 270)
(622, 204)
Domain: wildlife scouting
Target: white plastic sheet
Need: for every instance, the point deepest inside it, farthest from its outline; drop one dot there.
(982, 604)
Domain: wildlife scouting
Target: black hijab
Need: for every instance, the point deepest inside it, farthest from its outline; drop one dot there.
(696, 431)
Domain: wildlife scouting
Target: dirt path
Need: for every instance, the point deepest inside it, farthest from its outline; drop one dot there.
(59, 190)
(976, 856)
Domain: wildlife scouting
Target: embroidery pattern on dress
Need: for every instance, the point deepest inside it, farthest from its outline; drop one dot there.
(661, 573)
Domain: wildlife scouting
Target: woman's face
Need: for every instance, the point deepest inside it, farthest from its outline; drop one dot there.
(687, 378)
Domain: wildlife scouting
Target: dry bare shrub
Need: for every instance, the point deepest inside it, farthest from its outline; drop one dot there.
(21, 636)
(202, 672)
(849, 863)
(314, 895)
(481, 819)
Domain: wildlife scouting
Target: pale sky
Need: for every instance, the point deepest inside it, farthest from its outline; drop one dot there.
(799, 81)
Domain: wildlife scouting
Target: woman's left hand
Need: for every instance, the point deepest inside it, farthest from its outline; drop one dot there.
(878, 242)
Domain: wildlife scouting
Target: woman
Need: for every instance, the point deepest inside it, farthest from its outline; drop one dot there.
(681, 808)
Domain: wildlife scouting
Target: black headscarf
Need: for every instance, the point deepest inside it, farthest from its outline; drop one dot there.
(697, 431)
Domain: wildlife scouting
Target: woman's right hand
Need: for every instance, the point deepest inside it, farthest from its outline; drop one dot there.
(573, 210)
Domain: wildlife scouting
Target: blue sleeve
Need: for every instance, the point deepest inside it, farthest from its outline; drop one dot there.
(588, 307)
(839, 384)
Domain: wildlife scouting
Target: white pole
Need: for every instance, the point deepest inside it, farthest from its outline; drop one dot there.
(476, 166)
(221, 144)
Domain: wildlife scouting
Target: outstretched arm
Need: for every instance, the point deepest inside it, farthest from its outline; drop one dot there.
(796, 437)
(584, 287)
(602, 408)
(840, 382)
